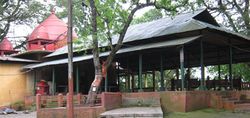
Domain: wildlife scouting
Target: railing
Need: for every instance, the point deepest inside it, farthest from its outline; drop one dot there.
(246, 85)
(191, 84)
(60, 100)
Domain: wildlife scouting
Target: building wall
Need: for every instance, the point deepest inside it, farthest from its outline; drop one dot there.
(30, 83)
(13, 86)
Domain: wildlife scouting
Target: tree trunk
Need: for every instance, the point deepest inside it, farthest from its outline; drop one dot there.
(98, 72)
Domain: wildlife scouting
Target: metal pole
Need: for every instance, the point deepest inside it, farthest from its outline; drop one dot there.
(162, 74)
(53, 81)
(70, 106)
(140, 73)
(202, 66)
(182, 67)
(77, 79)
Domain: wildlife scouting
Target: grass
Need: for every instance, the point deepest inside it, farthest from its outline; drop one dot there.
(207, 113)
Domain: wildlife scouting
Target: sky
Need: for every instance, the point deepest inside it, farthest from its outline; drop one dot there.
(17, 33)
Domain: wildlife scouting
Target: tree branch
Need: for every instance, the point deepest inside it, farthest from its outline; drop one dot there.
(123, 32)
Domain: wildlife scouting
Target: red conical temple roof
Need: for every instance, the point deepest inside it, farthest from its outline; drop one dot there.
(6, 45)
(53, 30)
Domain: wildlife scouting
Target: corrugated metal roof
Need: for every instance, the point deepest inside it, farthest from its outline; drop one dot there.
(13, 59)
(154, 28)
(163, 44)
(165, 26)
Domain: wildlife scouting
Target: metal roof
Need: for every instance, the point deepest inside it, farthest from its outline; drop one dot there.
(165, 26)
(163, 44)
(13, 59)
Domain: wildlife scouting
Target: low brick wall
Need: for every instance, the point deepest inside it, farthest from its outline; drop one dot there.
(184, 101)
(29, 101)
(197, 100)
(173, 101)
(79, 112)
(141, 98)
(111, 100)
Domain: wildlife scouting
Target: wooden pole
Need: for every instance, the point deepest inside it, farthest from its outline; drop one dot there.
(70, 105)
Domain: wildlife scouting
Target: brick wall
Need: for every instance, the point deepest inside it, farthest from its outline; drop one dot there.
(184, 101)
(173, 101)
(79, 112)
(142, 98)
(197, 100)
(111, 100)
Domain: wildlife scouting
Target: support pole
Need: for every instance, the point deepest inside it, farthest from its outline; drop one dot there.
(34, 82)
(129, 81)
(106, 83)
(133, 82)
(140, 73)
(53, 81)
(70, 105)
(202, 87)
(219, 72)
(218, 59)
(77, 79)
(153, 74)
(182, 67)
(230, 65)
(128, 76)
(118, 76)
(162, 74)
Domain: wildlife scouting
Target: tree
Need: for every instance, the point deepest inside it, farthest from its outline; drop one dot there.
(19, 12)
(236, 17)
(152, 14)
(235, 13)
(108, 18)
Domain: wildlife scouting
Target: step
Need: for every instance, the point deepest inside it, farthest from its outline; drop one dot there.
(132, 112)
(127, 102)
(230, 99)
(244, 107)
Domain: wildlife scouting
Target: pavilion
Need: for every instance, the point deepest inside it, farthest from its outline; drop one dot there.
(188, 40)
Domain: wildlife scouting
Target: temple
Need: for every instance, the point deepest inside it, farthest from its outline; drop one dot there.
(190, 40)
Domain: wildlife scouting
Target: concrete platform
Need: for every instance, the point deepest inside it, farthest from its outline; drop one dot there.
(134, 112)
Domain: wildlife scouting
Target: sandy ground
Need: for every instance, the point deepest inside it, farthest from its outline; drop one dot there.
(19, 115)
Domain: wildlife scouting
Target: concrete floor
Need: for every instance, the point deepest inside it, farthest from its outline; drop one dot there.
(19, 114)
(134, 112)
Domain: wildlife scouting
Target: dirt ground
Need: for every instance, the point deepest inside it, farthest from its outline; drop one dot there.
(207, 113)
(19, 115)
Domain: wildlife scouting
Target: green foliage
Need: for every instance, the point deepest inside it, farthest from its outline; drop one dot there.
(238, 70)
(152, 14)
(235, 13)
(19, 12)
(19, 105)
